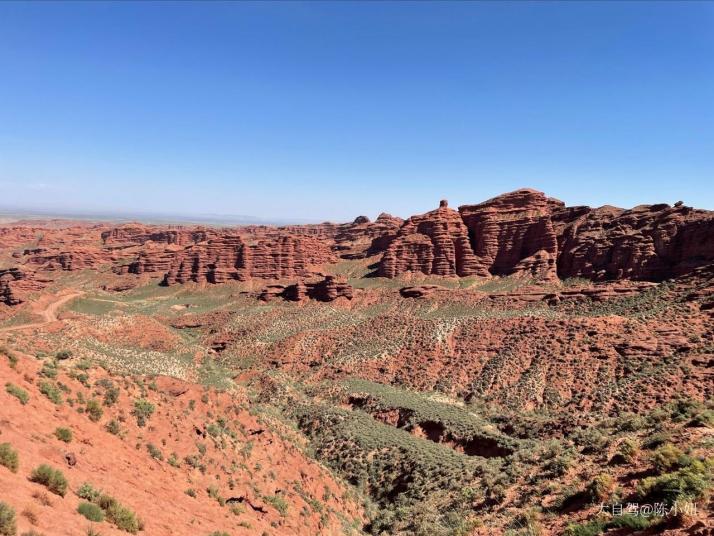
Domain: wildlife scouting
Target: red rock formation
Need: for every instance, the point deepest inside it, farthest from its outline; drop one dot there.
(648, 242)
(141, 234)
(329, 289)
(513, 234)
(419, 291)
(435, 243)
(15, 284)
(230, 257)
(326, 290)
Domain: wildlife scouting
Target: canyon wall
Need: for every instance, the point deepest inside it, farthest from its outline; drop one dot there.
(526, 233)
(522, 233)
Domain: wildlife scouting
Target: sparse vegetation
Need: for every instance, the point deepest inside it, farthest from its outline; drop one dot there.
(18, 393)
(115, 512)
(91, 511)
(8, 525)
(9, 457)
(63, 434)
(143, 410)
(51, 391)
(52, 479)
(94, 410)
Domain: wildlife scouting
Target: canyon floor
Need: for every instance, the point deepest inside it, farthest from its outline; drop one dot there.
(348, 402)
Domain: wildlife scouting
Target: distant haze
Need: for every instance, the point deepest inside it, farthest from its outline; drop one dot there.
(298, 111)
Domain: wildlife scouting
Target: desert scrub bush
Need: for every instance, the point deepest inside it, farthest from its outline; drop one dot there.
(63, 354)
(668, 457)
(63, 434)
(88, 492)
(113, 427)
(703, 419)
(94, 410)
(213, 493)
(49, 369)
(191, 492)
(11, 357)
(111, 392)
(115, 513)
(7, 520)
(219, 533)
(52, 479)
(173, 460)
(143, 410)
(278, 502)
(154, 452)
(627, 451)
(91, 511)
(601, 488)
(691, 483)
(592, 528)
(630, 521)
(51, 391)
(9, 457)
(17, 392)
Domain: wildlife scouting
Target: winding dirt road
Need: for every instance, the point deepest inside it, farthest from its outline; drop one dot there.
(48, 313)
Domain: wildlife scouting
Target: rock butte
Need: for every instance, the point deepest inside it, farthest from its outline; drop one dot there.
(521, 233)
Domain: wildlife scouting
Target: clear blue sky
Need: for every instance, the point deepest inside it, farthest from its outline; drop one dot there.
(329, 110)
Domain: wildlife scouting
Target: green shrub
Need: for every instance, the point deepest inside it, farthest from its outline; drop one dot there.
(11, 357)
(113, 427)
(628, 450)
(88, 492)
(593, 528)
(8, 457)
(115, 513)
(94, 410)
(91, 511)
(51, 391)
(52, 479)
(143, 409)
(703, 419)
(667, 457)
(191, 492)
(123, 518)
(63, 354)
(7, 520)
(601, 488)
(154, 452)
(690, 483)
(111, 392)
(49, 370)
(63, 434)
(629, 521)
(278, 503)
(17, 392)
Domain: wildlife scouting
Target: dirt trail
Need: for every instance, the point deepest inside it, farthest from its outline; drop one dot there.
(48, 313)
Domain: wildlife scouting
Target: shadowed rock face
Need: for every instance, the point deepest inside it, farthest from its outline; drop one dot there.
(15, 284)
(326, 290)
(8, 295)
(651, 242)
(513, 234)
(435, 243)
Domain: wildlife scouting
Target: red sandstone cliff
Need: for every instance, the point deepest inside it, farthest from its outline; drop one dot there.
(435, 243)
(649, 242)
(513, 234)
(230, 257)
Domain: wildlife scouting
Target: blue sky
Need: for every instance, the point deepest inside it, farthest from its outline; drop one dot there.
(329, 110)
